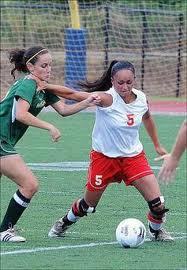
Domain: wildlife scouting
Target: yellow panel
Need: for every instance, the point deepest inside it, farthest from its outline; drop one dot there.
(74, 11)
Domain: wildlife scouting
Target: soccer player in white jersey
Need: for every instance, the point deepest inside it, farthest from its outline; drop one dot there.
(117, 154)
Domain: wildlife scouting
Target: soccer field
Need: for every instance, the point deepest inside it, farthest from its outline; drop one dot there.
(90, 244)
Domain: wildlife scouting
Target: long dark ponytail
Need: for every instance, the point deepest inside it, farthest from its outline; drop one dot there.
(104, 82)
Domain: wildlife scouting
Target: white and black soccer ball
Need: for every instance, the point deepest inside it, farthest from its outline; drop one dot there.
(130, 233)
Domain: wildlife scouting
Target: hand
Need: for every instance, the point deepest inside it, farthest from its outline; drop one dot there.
(168, 169)
(161, 150)
(93, 100)
(163, 157)
(41, 85)
(55, 133)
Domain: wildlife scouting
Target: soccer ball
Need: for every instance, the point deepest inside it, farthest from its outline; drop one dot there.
(130, 233)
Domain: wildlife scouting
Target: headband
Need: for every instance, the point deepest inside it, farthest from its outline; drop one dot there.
(35, 55)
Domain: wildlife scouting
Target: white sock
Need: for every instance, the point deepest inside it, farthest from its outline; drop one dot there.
(155, 226)
(71, 217)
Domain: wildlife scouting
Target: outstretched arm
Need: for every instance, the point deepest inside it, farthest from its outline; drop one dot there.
(167, 172)
(181, 142)
(68, 93)
(152, 131)
(69, 109)
(63, 91)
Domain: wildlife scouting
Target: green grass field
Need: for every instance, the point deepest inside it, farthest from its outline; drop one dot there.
(91, 243)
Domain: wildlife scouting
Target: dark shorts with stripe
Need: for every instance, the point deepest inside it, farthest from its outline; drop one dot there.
(6, 149)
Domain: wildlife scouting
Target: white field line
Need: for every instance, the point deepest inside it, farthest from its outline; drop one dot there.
(169, 113)
(43, 249)
(92, 110)
(38, 147)
(66, 166)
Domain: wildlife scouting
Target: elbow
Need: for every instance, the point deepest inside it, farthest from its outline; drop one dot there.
(75, 97)
(62, 109)
(20, 117)
(63, 114)
(79, 96)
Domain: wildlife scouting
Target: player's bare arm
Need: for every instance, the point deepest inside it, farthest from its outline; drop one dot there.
(24, 116)
(152, 131)
(65, 110)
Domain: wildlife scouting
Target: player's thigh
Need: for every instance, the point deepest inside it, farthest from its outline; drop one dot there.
(148, 186)
(15, 168)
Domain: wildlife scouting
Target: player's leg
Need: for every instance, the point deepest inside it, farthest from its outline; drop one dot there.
(101, 170)
(138, 173)
(80, 208)
(149, 188)
(15, 168)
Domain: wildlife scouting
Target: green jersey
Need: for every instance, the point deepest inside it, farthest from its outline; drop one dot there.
(12, 130)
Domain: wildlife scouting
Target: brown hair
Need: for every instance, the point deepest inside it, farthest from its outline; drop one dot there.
(20, 58)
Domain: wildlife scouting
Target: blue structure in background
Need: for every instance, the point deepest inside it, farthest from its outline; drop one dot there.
(75, 62)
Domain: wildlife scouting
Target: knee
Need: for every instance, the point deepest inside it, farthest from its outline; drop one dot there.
(157, 207)
(34, 187)
(31, 188)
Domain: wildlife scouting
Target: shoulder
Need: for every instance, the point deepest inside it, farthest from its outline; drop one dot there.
(26, 89)
(29, 82)
(140, 95)
(25, 85)
(111, 91)
(106, 98)
(138, 92)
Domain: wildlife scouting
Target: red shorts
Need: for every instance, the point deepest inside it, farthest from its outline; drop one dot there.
(104, 170)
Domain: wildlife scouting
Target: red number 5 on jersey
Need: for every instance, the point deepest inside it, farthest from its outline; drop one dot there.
(130, 121)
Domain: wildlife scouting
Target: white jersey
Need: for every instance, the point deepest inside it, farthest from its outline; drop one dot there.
(116, 129)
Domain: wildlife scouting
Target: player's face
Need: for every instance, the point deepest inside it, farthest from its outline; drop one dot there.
(42, 67)
(123, 82)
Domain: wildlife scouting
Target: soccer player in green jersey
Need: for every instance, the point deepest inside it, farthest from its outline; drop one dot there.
(18, 111)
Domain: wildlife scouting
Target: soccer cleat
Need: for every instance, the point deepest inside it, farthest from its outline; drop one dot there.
(160, 235)
(59, 228)
(11, 236)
